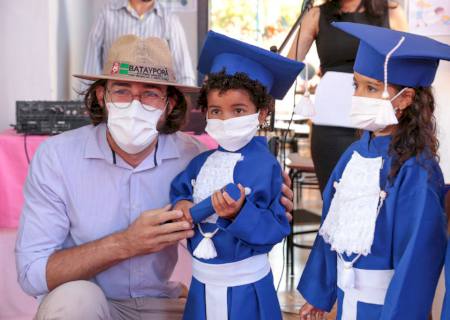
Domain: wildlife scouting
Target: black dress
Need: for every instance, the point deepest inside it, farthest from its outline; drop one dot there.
(337, 52)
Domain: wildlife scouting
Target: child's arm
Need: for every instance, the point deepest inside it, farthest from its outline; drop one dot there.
(181, 193)
(261, 221)
(184, 206)
(419, 243)
(225, 205)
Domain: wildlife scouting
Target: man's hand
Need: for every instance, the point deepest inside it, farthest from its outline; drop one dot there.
(154, 230)
(225, 206)
(288, 196)
(184, 291)
(184, 206)
(151, 232)
(309, 312)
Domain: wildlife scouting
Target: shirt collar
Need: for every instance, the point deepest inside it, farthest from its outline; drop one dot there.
(118, 4)
(125, 4)
(97, 147)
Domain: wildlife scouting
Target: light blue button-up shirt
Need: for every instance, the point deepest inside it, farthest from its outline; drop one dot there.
(74, 194)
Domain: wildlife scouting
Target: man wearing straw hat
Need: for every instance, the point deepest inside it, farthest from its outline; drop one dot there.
(96, 197)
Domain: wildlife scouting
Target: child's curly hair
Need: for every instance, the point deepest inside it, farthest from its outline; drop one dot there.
(224, 82)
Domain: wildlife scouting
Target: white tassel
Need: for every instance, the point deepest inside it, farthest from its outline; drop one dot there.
(348, 275)
(305, 107)
(206, 249)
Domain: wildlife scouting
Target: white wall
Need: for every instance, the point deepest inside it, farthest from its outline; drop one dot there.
(442, 95)
(25, 63)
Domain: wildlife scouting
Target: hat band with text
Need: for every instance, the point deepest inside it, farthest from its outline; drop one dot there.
(141, 71)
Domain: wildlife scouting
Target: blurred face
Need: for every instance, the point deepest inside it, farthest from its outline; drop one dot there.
(231, 104)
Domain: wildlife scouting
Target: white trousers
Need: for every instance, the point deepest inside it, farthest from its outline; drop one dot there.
(85, 300)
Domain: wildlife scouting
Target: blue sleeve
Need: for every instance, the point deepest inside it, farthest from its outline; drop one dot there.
(420, 239)
(318, 283)
(261, 222)
(181, 187)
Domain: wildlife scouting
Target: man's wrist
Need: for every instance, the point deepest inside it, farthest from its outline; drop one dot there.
(121, 242)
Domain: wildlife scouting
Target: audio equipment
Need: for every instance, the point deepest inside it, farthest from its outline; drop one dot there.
(50, 117)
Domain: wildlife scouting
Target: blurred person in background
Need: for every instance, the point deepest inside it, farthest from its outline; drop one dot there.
(337, 51)
(143, 18)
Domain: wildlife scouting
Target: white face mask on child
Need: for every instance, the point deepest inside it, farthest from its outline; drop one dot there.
(373, 114)
(233, 134)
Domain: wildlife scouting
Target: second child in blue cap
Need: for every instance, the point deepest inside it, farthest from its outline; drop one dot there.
(234, 192)
(381, 245)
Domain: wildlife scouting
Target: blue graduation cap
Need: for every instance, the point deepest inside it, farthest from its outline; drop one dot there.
(399, 58)
(275, 72)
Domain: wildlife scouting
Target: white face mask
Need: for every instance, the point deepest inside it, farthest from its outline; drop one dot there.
(133, 128)
(373, 114)
(233, 134)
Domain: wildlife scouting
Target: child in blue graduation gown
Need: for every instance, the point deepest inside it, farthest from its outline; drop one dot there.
(381, 245)
(231, 273)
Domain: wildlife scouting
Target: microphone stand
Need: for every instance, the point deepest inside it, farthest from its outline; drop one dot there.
(307, 4)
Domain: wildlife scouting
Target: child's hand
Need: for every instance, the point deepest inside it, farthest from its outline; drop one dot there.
(225, 206)
(309, 312)
(184, 206)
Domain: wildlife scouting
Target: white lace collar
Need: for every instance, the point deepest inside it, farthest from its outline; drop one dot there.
(350, 224)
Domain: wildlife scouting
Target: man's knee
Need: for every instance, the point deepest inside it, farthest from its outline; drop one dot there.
(74, 300)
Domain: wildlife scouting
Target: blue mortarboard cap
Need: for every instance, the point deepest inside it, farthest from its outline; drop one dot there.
(412, 61)
(275, 72)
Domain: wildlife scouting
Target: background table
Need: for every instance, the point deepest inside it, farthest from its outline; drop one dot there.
(14, 168)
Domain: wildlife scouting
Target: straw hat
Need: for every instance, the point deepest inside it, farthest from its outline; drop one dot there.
(140, 60)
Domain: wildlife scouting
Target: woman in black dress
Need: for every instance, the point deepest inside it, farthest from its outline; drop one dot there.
(337, 52)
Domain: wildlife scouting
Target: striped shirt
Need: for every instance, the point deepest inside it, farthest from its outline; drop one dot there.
(118, 18)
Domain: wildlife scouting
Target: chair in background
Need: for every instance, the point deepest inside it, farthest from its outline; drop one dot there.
(302, 174)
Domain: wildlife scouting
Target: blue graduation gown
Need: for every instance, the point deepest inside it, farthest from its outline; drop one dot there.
(445, 315)
(260, 224)
(410, 237)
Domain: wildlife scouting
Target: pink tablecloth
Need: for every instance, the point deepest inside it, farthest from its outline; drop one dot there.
(14, 167)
